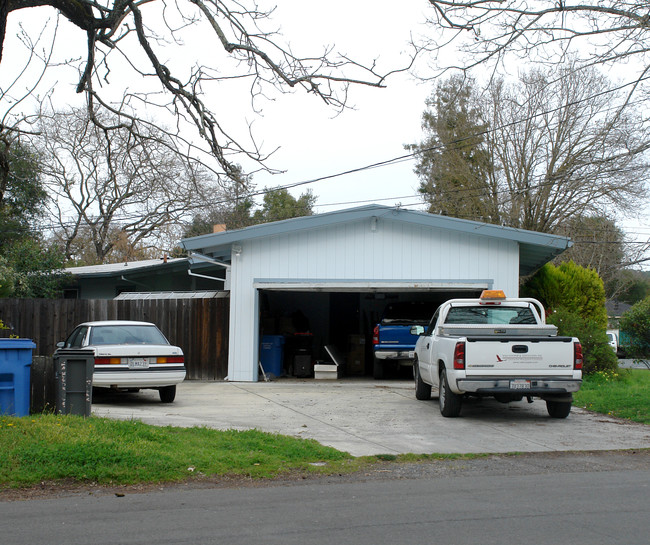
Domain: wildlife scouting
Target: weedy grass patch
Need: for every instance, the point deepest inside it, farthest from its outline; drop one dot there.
(54, 448)
(624, 393)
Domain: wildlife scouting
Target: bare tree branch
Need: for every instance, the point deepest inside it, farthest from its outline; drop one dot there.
(557, 145)
(148, 37)
(109, 185)
(488, 30)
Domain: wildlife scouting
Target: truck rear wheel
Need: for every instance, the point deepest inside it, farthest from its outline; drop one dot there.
(450, 402)
(558, 409)
(422, 389)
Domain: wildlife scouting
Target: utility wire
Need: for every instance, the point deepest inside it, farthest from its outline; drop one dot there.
(400, 159)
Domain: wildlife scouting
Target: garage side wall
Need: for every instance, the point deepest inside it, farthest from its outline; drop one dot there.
(364, 251)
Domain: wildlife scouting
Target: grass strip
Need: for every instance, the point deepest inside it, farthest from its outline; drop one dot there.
(624, 394)
(46, 448)
(54, 448)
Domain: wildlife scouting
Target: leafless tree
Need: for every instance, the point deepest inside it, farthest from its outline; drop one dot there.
(109, 187)
(501, 36)
(602, 31)
(598, 243)
(564, 143)
(138, 48)
(558, 144)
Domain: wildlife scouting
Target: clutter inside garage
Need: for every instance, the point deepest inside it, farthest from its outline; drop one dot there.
(326, 335)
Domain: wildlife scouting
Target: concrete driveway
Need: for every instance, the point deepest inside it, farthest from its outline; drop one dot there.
(365, 417)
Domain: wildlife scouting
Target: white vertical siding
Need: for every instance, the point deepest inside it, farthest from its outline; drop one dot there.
(394, 251)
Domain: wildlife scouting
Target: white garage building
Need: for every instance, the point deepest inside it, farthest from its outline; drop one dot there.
(336, 271)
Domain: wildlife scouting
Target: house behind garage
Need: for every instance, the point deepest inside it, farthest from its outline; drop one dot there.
(324, 280)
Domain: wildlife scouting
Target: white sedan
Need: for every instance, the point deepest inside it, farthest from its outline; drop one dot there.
(130, 355)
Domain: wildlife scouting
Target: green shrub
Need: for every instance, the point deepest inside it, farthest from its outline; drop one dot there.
(597, 354)
(575, 301)
(636, 323)
(572, 287)
(585, 292)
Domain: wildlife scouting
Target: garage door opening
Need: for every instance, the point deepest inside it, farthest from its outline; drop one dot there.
(304, 328)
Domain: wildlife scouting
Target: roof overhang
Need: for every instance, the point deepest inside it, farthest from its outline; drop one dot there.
(535, 249)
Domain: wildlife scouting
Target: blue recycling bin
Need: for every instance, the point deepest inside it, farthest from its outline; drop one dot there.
(272, 354)
(15, 367)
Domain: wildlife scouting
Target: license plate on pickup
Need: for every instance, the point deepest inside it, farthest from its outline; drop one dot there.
(520, 384)
(138, 363)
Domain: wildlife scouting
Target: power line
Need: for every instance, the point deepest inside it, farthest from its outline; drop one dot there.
(399, 159)
(413, 155)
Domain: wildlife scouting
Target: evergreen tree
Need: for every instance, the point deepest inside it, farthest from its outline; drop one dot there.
(453, 164)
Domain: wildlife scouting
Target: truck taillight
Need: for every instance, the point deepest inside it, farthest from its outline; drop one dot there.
(577, 356)
(459, 356)
(375, 335)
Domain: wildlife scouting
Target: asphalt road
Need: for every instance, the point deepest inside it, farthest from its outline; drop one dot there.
(588, 498)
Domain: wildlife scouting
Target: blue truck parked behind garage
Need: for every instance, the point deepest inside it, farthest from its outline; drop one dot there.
(393, 342)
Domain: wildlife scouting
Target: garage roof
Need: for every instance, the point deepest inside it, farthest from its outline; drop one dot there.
(116, 269)
(535, 249)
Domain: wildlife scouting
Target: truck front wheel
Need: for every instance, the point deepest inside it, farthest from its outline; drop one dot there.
(558, 409)
(450, 402)
(422, 389)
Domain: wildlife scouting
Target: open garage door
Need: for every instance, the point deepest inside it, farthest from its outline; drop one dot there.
(311, 323)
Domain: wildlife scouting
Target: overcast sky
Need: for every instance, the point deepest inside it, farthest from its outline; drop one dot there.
(312, 142)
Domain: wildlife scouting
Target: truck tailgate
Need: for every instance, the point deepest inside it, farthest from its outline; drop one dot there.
(396, 336)
(511, 356)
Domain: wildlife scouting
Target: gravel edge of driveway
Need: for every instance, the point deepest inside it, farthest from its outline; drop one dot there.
(535, 463)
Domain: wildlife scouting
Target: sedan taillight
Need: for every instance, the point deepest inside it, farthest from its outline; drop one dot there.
(170, 359)
(107, 361)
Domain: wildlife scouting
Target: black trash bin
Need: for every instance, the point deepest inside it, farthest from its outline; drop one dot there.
(74, 381)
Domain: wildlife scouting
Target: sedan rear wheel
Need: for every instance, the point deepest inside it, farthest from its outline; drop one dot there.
(167, 394)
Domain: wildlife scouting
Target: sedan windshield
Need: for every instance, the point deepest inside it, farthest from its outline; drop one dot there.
(126, 334)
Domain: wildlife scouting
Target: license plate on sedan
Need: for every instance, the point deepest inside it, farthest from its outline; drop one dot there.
(520, 384)
(138, 363)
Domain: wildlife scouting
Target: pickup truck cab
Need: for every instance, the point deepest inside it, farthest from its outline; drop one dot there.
(499, 347)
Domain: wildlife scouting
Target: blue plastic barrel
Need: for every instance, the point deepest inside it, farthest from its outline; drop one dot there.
(272, 354)
(15, 366)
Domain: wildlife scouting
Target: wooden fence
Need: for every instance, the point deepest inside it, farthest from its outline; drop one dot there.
(198, 326)
(43, 385)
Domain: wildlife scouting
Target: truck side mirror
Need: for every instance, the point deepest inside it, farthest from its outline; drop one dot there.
(417, 330)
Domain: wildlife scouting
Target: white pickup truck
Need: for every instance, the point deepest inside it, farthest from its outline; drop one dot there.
(499, 347)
